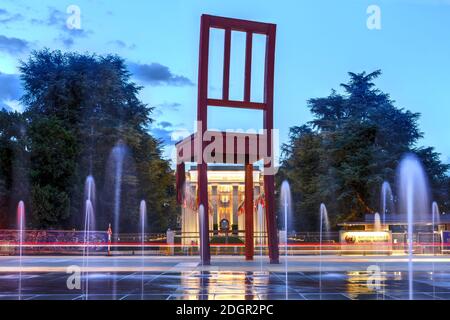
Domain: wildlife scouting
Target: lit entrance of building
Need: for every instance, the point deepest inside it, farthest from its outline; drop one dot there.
(226, 197)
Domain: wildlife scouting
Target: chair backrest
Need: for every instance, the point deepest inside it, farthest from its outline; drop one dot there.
(250, 28)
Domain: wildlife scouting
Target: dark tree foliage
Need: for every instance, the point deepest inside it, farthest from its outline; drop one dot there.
(78, 107)
(13, 164)
(352, 145)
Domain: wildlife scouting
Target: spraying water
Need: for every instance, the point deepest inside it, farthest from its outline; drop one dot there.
(89, 189)
(190, 220)
(324, 223)
(88, 228)
(261, 233)
(387, 200)
(413, 200)
(118, 156)
(21, 236)
(286, 205)
(117, 159)
(143, 219)
(386, 206)
(436, 219)
(377, 222)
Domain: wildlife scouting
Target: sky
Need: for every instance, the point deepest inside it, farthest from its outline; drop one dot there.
(318, 42)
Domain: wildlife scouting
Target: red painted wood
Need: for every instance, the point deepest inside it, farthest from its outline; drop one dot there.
(226, 65)
(272, 234)
(269, 182)
(202, 126)
(236, 104)
(248, 67)
(181, 180)
(248, 206)
(238, 24)
(249, 27)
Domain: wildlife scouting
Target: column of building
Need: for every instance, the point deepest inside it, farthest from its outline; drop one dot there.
(215, 202)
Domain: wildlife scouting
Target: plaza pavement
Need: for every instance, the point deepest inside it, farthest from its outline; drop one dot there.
(303, 263)
(229, 277)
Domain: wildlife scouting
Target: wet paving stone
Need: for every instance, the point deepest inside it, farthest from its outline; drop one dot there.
(224, 284)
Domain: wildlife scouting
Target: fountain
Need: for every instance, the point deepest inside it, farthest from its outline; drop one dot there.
(116, 160)
(413, 200)
(377, 222)
(89, 189)
(324, 222)
(377, 227)
(386, 206)
(190, 221)
(387, 200)
(435, 220)
(89, 226)
(21, 234)
(286, 205)
(143, 219)
(118, 157)
(261, 234)
(435, 215)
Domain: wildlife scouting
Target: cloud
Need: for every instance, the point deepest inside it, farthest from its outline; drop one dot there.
(10, 92)
(13, 105)
(7, 17)
(68, 36)
(173, 106)
(168, 133)
(156, 74)
(66, 41)
(57, 18)
(164, 135)
(122, 45)
(13, 45)
(4, 106)
(165, 124)
(164, 131)
(10, 87)
(166, 106)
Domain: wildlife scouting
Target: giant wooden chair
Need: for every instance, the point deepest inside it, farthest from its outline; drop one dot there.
(236, 148)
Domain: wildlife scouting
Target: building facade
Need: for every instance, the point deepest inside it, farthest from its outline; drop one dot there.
(226, 190)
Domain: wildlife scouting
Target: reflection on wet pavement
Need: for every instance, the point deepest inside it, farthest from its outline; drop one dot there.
(218, 285)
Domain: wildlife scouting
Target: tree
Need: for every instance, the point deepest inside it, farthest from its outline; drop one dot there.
(78, 107)
(13, 165)
(352, 145)
(53, 166)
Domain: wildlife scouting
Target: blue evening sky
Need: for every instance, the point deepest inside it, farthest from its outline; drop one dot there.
(318, 42)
